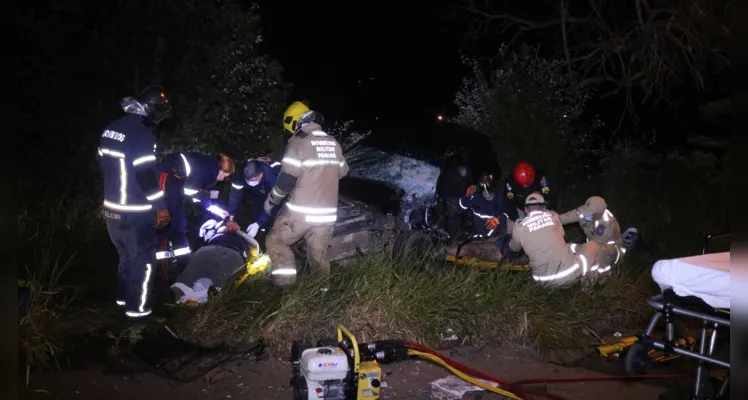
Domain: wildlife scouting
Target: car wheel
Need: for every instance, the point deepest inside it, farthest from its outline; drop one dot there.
(410, 243)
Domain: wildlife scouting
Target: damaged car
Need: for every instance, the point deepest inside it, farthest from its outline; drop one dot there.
(386, 203)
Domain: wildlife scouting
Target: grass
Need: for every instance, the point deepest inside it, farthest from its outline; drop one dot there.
(378, 298)
(38, 327)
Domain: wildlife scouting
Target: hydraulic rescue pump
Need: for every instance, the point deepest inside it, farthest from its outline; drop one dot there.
(342, 369)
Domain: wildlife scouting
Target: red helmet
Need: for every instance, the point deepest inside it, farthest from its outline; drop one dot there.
(524, 174)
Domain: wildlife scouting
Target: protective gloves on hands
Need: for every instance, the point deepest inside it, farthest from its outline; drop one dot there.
(252, 229)
(471, 190)
(492, 223)
(268, 206)
(162, 218)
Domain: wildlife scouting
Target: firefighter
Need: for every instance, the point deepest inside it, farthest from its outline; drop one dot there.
(311, 168)
(488, 222)
(486, 206)
(541, 236)
(257, 177)
(453, 181)
(188, 175)
(290, 126)
(600, 226)
(134, 205)
(524, 181)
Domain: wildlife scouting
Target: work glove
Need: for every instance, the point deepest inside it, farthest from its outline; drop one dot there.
(492, 223)
(252, 229)
(471, 190)
(162, 218)
(268, 206)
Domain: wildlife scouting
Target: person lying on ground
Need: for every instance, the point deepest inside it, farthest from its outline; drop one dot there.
(552, 262)
(225, 253)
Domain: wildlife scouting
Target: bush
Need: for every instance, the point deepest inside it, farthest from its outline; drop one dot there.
(227, 95)
(230, 96)
(529, 111)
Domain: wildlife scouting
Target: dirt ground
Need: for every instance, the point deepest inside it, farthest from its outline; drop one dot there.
(269, 379)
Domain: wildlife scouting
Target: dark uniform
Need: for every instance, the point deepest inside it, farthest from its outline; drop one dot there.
(184, 175)
(132, 195)
(258, 193)
(515, 194)
(453, 181)
(484, 209)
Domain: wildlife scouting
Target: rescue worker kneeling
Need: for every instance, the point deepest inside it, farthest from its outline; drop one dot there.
(224, 254)
(258, 178)
(541, 235)
(311, 168)
(599, 226)
(188, 175)
(488, 222)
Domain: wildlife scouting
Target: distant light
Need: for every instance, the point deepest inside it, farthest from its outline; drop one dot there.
(564, 116)
(440, 118)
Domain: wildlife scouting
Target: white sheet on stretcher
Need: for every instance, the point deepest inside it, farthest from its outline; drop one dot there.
(706, 277)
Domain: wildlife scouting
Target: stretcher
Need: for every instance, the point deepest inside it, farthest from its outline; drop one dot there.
(476, 262)
(696, 288)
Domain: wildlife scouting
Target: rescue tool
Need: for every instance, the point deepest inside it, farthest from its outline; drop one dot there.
(343, 369)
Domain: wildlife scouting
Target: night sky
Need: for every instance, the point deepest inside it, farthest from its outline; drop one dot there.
(387, 59)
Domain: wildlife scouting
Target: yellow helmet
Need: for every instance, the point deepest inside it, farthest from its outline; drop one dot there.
(292, 115)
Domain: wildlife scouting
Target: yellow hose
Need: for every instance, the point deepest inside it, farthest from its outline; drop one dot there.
(463, 376)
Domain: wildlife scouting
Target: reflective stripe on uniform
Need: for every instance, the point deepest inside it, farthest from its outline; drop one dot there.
(607, 215)
(237, 187)
(311, 163)
(155, 196)
(284, 271)
(187, 168)
(163, 255)
(143, 160)
(144, 292)
(181, 251)
(126, 207)
(315, 214)
(311, 210)
(122, 204)
(564, 273)
(461, 206)
(190, 192)
(136, 314)
(123, 181)
(561, 274)
(103, 151)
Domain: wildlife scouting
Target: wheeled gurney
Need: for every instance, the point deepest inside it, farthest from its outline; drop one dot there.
(695, 288)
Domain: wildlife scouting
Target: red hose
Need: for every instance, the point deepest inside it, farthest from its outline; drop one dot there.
(594, 378)
(480, 375)
(516, 386)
